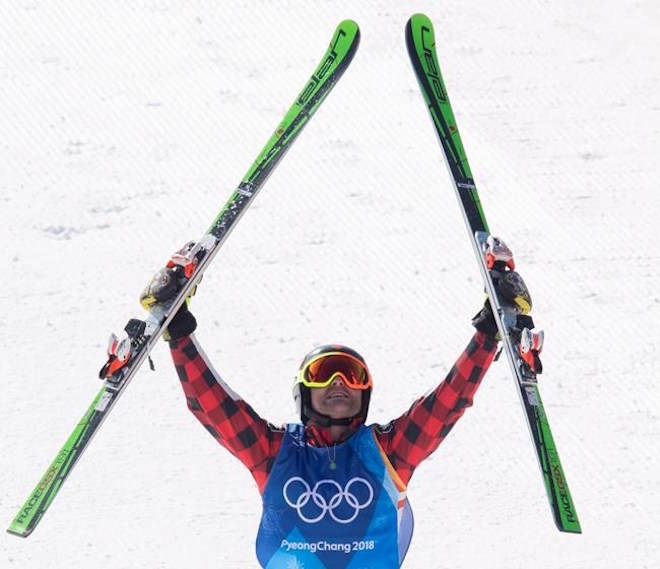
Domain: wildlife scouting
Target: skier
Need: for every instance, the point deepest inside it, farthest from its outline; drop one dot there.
(334, 488)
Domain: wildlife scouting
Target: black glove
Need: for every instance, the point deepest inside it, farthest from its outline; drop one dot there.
(514, 297)
(183, 324)
(484, 321)
(512, 292)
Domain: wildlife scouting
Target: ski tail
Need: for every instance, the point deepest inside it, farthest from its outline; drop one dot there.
(35, 506)
(559, 496)
(420, 42)
(143, 335)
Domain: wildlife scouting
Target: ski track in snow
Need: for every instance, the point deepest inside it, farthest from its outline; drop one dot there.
(125, 128)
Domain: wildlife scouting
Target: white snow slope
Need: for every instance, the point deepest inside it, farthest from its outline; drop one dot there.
(126, 125)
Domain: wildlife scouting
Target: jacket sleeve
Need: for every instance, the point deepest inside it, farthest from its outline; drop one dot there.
(413, 436)
(222, 412)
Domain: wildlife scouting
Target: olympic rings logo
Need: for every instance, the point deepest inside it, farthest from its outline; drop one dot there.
(298, 498)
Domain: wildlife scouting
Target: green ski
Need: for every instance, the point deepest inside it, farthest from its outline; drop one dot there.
(420, 41)
(125, 356)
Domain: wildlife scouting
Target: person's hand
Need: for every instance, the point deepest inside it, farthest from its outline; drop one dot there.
(513, 295)
(165, 285)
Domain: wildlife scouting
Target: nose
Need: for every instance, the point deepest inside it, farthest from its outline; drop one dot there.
(339, 377)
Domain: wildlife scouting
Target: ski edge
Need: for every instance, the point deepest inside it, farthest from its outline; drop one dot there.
(556, 485)
(55, 475)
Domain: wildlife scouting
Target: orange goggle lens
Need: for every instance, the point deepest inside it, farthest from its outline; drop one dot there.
(322, 371)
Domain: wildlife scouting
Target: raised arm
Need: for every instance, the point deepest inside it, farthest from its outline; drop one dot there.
(222, 412)
(413, 436)
(229, 419)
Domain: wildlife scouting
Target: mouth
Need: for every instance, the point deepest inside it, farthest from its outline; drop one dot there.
(337, 395)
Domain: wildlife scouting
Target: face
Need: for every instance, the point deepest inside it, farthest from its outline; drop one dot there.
(337, 400)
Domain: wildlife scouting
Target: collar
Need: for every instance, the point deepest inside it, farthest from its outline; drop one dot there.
(319, 436)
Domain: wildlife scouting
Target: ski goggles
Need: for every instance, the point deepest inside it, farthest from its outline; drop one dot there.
(322, 370)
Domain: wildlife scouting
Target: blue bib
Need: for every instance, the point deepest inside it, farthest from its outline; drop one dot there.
(353, 516)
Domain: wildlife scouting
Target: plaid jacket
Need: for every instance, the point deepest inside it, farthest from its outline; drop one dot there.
(406, 441)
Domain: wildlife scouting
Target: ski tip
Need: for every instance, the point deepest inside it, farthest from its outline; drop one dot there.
(349, 24)
(349, 28)
(345, 42)
(415, 27)
(419, 19)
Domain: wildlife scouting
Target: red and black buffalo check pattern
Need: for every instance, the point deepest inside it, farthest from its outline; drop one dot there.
(407, 440)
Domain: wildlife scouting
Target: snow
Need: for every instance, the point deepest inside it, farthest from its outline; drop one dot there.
(126, 125)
